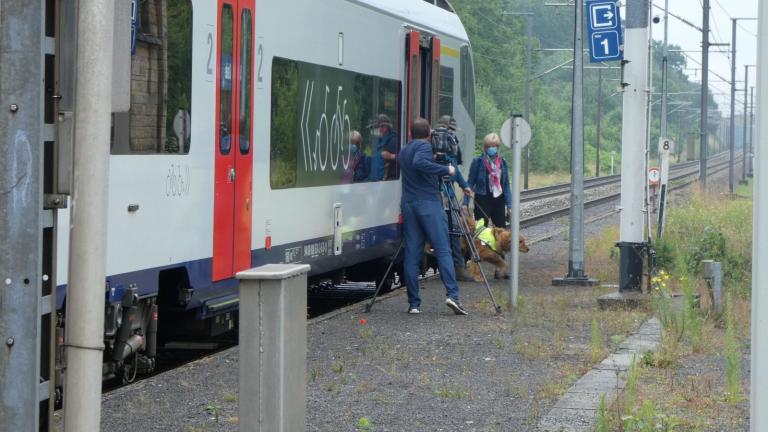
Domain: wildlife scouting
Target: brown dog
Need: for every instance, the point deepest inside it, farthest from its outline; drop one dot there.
(503, 244)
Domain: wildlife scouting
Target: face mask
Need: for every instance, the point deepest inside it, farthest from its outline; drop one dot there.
(353, 149)
(492, 151)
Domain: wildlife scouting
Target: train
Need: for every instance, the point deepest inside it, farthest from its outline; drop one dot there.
(253, 136)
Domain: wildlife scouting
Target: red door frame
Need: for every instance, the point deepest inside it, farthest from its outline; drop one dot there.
(414, 94)
(435, 85)
(233, 172)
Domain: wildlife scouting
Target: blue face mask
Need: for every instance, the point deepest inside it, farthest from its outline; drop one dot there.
(492, 151)
(353, 149)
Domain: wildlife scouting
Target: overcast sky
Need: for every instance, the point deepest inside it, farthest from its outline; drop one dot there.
(721, 12)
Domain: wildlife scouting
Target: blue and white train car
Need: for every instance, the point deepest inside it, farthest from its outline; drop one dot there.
(236, 151)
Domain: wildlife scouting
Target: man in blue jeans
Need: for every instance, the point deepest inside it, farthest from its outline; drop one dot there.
(424, 217)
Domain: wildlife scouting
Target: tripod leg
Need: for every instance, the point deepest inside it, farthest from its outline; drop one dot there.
(369, 305)
(469, 238)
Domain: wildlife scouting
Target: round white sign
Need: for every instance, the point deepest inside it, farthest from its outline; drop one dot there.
(506, 132)
(654, 176)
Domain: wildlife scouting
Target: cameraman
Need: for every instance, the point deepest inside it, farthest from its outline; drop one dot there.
(445, 145)
(424, 218)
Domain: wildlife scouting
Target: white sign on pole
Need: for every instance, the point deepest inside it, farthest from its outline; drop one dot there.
(654, 176)
(524, 130)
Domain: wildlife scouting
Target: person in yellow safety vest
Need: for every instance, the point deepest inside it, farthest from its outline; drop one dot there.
(485, 235)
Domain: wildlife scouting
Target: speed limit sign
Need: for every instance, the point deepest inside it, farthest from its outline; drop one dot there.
(654, 176)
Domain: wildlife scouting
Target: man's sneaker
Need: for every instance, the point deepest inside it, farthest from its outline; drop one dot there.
(414, 311)
(457, 308)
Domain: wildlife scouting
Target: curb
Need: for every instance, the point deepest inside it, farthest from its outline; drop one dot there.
(577, 409)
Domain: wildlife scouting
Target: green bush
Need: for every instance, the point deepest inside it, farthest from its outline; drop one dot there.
(710, 244)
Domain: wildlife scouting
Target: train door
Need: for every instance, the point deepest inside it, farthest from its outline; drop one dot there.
(233, 171)
(422, 78)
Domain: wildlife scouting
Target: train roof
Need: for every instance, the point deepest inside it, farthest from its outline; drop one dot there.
(422, 14)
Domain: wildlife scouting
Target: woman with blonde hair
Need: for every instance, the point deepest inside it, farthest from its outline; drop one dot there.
(489, 180)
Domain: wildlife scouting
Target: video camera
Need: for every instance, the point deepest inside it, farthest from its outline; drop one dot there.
(445, 145)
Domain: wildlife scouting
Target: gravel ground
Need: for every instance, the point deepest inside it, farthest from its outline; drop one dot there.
(430, 372)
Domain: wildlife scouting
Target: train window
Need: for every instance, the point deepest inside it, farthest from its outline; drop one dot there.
(246, 100)
(225, 76)
(330, 126)
(467, 82)
(446, 91)
(161, 83)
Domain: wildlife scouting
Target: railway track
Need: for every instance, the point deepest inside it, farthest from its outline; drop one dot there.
(682, 175)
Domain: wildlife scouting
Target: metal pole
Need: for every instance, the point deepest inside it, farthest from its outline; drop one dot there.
(514, 217)
(633, 178)
(576, 238)
(21, 210)
(751, 131)
(703, 150)
(599, 114)
(732, 127)
(759, 372)
(85, 294)
(744, 133)
(528, 91)
(576, 275)
(664, 67)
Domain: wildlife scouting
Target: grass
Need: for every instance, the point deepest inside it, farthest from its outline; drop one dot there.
(693, 382)
(537, 180)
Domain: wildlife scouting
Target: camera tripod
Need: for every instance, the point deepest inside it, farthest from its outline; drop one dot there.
(457, 226)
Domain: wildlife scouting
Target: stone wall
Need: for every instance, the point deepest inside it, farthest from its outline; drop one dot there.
(149, 79)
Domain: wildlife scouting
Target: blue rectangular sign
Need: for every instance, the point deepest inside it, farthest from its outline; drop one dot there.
(604, 31)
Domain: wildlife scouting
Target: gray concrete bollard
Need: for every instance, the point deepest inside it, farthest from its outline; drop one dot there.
(273, 348)
(713, 273)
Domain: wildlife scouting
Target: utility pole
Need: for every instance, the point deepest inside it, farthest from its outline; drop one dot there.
(744, 134)
(664, 67)
(732, 129)
(528, 90)
(633, 177)
(528, 83)
(703, 150)
(599, 115)
(758, 418)
(751, 131)
(576, 274)
(21, 214)
(84, 339)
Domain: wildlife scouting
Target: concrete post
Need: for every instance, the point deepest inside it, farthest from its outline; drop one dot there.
(713, 273)
(273, 348)
(758, 417)
(88, 244)
(633, 176)
(21, 211)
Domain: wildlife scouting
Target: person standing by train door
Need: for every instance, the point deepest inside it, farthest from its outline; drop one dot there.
(424, 218)
(384, 157)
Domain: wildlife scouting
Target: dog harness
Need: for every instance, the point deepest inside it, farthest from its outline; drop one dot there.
(485, 235)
